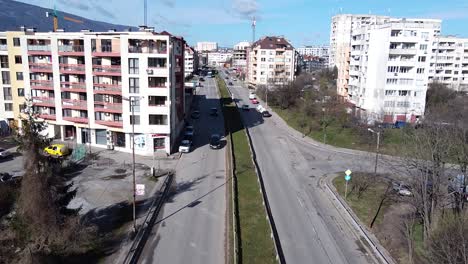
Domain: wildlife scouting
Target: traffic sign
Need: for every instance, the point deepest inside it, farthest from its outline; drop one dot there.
(347, 177)
(348, 172)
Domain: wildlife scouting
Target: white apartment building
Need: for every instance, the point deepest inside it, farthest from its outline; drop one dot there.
(271, 60)
(389, 68)
(207, 46)
(191, 61)
(6, 96)
(341, 31)
(239, 58)
(316, 51)
(218, 58)
(82, 83)
(449, 62)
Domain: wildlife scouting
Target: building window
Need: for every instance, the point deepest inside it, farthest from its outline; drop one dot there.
(271, 66)
(68, 112)
(134, 85)
(16, 42)
(403, 104)
(159, 143)
(135, 118)
(420, 70)
(156, 62)
(133, 66)
(21, 92)
(18, 59)
(156, 100)
(392, 69)
(403, 93)
(423, 47)
(6, 77)
(392, 81)
(158, 119)
(422, 58)
(262, 59)
(7, 93)
(4, 62)
(263, 52)
(19, 76)
(135, 102)
(8, 107)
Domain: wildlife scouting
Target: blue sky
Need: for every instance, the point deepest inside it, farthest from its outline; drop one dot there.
(303, 22)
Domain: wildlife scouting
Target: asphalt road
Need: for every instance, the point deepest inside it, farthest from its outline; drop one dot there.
(310, 226)
(191, 227)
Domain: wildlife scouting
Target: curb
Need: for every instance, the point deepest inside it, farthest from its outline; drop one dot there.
(379, 251)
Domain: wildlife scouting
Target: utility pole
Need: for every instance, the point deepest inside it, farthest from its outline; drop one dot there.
(132, 104)
(146, 12)
(254, 23)
(377, 149)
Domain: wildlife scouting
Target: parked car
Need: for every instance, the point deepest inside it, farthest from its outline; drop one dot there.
(402, 189)
(230, 83)
(7, 177)
(215, 141)
(57, 150)
(234, 79)
(185, 146)
(4, 153)
(252, 96)
(266, 114)
(214, 111)
(260, 108)
(195, 115)
(245, 107)
(202, 80)
(254, 101)
(189, 131)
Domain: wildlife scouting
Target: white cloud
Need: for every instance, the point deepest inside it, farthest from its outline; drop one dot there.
(245, 8)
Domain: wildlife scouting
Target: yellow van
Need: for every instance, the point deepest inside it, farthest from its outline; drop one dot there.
(57, 150)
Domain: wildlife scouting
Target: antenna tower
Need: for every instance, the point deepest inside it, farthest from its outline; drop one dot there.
(254, 22)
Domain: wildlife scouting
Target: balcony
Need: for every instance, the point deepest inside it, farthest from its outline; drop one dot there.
(105, 51)
(76, 119)
(77, 87)
(47, 116)
(402, 51)
(110, 123)
(107, 70)
(40, 67)
(74, 104)
(44, 101)
(42, 85)
(3, 47)
(157, 85)
(71, 50)
(108, 107)
(102, 88)
(150, 50)
(72, 69)
(38, 49)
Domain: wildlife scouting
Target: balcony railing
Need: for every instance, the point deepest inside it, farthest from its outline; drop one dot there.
(43, 101)
(42, 84)
(108, 107)
(71, 48)
(47, 116)
(72, 67)
(74, 104)
(153, 50)
(102, 88)
(110, 123)
(47, 67)
(38, 47)
(76, 119)
(157, 85)
(3, 47)
(110, 69)
(73, 86)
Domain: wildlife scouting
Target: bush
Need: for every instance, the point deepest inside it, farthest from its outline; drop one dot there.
(7, 199)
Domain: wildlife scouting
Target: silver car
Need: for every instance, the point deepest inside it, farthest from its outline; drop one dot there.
(4, 153)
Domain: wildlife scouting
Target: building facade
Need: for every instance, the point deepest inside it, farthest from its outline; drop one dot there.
(219, 58)
(315, 51)
(389, 68)
(191, 61)
(239, 57)
(207, 46)
(84, 83)
(271, 60)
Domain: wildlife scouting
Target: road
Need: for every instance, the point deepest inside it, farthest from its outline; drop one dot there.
(310, 226)
(191, 227)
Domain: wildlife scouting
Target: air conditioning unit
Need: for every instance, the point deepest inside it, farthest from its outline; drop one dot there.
(149, 71)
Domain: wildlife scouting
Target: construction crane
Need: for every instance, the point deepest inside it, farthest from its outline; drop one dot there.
(55, 17)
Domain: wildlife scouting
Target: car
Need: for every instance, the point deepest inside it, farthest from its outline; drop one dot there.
(215, 141)
(4, 153)
(7, 177)
(234, 79)
(254, 101)
(189, 131)
(202, 80)
(195, 115)
(185, 145)
(402, 189)
(245, 107)
(227, 78)
(230, 83)
(266, 114)
(214, 111)
(57, 150)
(252, 96)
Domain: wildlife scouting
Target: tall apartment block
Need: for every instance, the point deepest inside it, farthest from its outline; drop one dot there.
(85, 84)
(207, 46)
(389, 68)
(449, 62)
(316, 51)
(271, 60)
(191, 61)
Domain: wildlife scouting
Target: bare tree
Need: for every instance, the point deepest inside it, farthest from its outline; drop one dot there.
(408, 223)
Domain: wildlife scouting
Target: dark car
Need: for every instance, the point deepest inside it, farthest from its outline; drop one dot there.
(227, 78)
(195, 115)
(202, 80)
(230, 83)
(215, 141)
(214, 111)
(266, 114)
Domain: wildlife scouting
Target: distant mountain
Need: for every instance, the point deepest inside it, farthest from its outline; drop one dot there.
(15, 14)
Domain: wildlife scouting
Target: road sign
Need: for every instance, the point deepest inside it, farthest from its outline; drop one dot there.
(140, 189)
(348, 172)
(347, 177)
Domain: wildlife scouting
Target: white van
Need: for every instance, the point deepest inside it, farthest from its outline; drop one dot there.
(260, 109)
(252, 96)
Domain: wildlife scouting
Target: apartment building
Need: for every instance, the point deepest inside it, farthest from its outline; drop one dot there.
(219, 58)
(239, 56)
(191, 61)
(389, 68)
(207, 46)
(86, 84)
(341, 31)
(271, 60)
(314, 51)
(449, 62)
(6, 94)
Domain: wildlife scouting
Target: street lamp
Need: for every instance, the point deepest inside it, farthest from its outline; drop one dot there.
(377, 150)
(131, 100)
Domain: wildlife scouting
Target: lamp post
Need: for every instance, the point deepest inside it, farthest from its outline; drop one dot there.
(131, 100)
(377, 150)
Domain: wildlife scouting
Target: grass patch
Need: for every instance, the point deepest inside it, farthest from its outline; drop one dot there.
(366, 206)
(256, 244)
